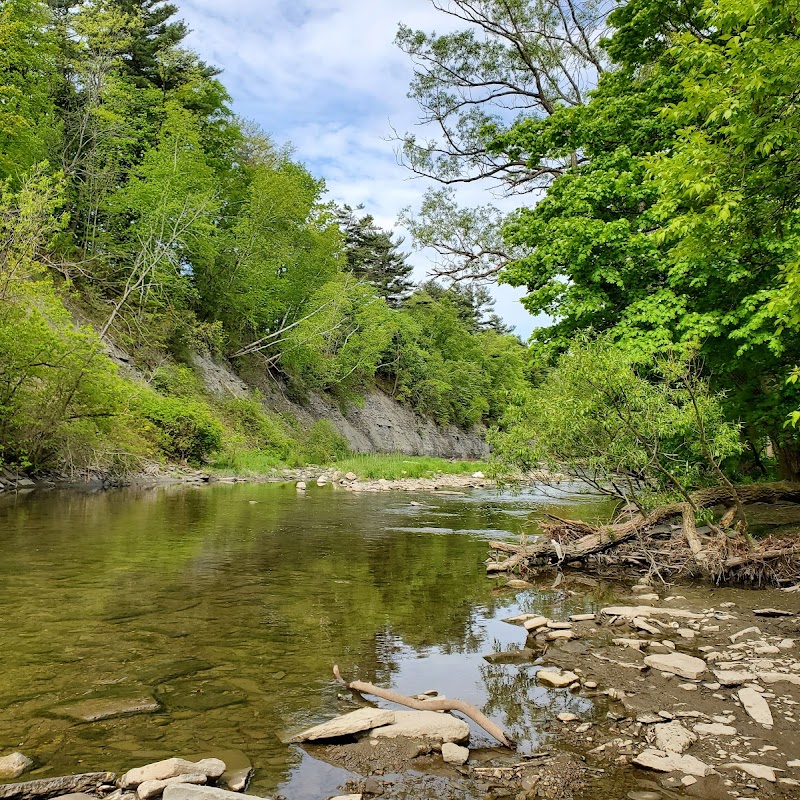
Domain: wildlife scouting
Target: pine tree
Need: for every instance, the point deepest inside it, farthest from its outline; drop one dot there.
(375, 256)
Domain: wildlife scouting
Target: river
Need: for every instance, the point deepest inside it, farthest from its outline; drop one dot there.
(227, 605)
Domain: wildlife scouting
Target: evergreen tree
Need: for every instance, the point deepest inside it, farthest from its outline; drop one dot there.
(374, 256)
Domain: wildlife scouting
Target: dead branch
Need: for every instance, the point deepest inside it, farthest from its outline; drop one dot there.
(434, 704)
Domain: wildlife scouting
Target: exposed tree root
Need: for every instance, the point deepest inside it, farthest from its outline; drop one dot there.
(725, 554)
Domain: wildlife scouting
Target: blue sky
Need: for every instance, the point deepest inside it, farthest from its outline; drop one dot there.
(326, 76)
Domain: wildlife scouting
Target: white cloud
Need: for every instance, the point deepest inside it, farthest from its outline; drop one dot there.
(325, 75)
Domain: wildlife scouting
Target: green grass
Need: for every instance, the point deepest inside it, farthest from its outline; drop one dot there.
(395, 467)
(247, 463)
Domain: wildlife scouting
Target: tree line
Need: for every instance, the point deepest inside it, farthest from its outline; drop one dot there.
(138, 212)
(652, 148)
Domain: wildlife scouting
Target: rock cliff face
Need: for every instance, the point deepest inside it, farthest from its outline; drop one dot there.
(381, 425)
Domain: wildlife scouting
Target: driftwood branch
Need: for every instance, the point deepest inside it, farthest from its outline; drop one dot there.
(726, 553)
(434, 704)
(53, 787)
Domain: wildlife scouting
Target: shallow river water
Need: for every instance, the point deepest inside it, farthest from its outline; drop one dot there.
(228, 605)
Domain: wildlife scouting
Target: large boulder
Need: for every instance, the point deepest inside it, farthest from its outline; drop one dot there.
(429, 725)
(170, 768)
(364, 719)
(756, 706)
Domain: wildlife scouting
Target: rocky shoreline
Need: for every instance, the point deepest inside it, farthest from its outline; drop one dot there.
(701, 699)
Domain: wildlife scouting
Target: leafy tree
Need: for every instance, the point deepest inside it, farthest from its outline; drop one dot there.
(29, 126)
(511, 59)
(645, 432)
(374, 256)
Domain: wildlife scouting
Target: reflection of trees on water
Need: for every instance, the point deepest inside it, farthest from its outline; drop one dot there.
(522, 705)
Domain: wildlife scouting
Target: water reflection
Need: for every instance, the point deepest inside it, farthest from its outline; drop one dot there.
(228, 606)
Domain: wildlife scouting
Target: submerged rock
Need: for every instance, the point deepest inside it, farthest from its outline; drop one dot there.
(14, 764)
(188, 791)
(556, 678)
(108, 708)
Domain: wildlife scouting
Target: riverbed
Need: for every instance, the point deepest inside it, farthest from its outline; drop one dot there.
(219, 612)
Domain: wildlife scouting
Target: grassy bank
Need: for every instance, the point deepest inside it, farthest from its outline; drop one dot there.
(397, 467)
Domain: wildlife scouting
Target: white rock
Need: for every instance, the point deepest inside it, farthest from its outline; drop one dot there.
(148, 789)
(644, 625)
(300, 486)
(732, 678)
(749, 632)
(14, 764)
(714, 729)
(677, 663)
(582, 617)
(685, 633)
(424, 725)
(188, 791)
(795, 763)
(559, 626)
(556, 678)
(673, 737)
(351, 476)
(553, 635)
(347, 797)
(535, 622)
(455, 754)
(363, 719)
(671, 762)
(756, 706)
(169, 768)
(634, 644)
(778, 677)
(477, 475)
(565, 716)
(761, 771)
(786, 644)
(322, 481)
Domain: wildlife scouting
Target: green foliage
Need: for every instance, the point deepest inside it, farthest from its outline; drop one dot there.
(185, 429)
(321, 444)
(643, 431)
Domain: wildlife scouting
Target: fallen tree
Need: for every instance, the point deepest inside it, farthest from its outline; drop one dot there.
(722, 553)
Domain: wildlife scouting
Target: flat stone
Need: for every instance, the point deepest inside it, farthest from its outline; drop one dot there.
(555, 678)
(521, 619)
(630, 612)
(761, 771)
(634, 644)
(714, 729)
(169, 768)
(748, 632)
(188, 791)
(778, 677)
(363, 719)
(300, 486)
(677, 663)
(661, 761)
(772, 612)
(582, 617)
(732, 677)
(644, 625)
(552, 636)
(80, 796)
(756, 706)
(566, 716)
(424, 725)
(649, 719)
(347, 797)
(645, 796)
(148, 789)
(454, 753)
(14, 764)
(535, 622)
(673, 737)
(107, 708)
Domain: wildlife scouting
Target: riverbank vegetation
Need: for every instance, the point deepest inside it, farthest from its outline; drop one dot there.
(653, 146)
(140, 218)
